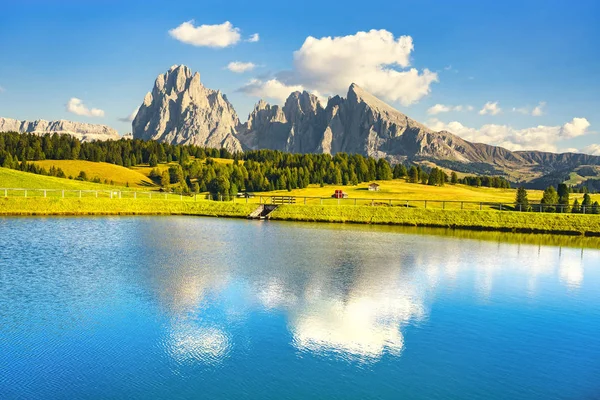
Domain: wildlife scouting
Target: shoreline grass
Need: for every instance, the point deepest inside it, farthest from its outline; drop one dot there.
(563, 224)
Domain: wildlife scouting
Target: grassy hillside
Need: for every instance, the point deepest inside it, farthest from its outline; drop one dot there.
(104, 171)
(10, 178)
(401, 190)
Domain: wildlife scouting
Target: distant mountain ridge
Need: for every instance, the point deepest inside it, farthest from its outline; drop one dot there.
(82, 131)
(181, 110)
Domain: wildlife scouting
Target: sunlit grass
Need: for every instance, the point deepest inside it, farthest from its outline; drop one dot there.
(104, 171)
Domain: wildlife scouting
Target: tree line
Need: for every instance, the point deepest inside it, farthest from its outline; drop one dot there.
(193, 169)
(557, 200)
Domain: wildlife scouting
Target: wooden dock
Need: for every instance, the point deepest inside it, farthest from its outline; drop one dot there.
(262, 211)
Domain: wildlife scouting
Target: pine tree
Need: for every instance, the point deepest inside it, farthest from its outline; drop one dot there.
(563, 197)
(521, 201)
(586, 204)
(153, 160)
(454, 178)
(399, 171)
(550, 197)
(413, 175)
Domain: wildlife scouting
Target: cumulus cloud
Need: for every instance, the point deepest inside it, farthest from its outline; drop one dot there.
(577, 127)
(490, 108)
(239, 67)
(593, 149)
(218, 36)
(441, 108)
(130, 117)
(272, 89)
(76, 106)
(374, 60)
(539, 137)
(369, 59)
(253, 38)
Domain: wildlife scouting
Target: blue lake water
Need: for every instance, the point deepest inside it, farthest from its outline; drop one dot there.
(184, 307)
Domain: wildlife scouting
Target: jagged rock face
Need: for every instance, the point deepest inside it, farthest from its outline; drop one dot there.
(360, 123)
(82, 131)
(180, 110)
(295, 128)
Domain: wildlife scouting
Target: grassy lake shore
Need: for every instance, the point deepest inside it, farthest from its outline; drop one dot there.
(565, 224)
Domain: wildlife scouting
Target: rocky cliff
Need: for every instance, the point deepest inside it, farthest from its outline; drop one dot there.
(180, 110)
(82, 131)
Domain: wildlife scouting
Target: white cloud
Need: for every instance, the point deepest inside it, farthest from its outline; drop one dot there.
(538, 110)
(593, 149)
(76, 106)
(219, 36)
(2, 90)
(490, 108)
(253, 38)
(272, 89)
(438, 108)
(330, 65)
(130, 117)
(374, 60)
(441, 108)
(539, 137)
(240, 67)
(577, 127)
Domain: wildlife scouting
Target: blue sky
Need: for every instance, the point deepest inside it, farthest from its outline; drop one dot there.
(515, 54)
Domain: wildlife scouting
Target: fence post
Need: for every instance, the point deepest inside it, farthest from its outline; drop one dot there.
(44, 192)
(119, 194)
(583, 209)
(462, 205)
(390, 202)
(338, 201)
(372, 203)
(150, 195)
(425, 203)
(25, 192)
(80, 194)
(96, 194)
(305, 201)
(480, 206)
(443, 205)
(135, 195)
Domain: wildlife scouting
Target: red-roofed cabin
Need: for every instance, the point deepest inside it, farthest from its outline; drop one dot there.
(339, 194)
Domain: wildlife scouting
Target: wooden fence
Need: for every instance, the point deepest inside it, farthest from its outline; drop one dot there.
(303, 200)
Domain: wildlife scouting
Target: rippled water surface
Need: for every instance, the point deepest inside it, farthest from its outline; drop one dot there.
(178, 307)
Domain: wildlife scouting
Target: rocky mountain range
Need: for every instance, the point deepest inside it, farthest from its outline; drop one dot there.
(181, 110)
(82, 131)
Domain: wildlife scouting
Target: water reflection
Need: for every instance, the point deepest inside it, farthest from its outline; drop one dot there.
(342, 291)
(348, 291)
